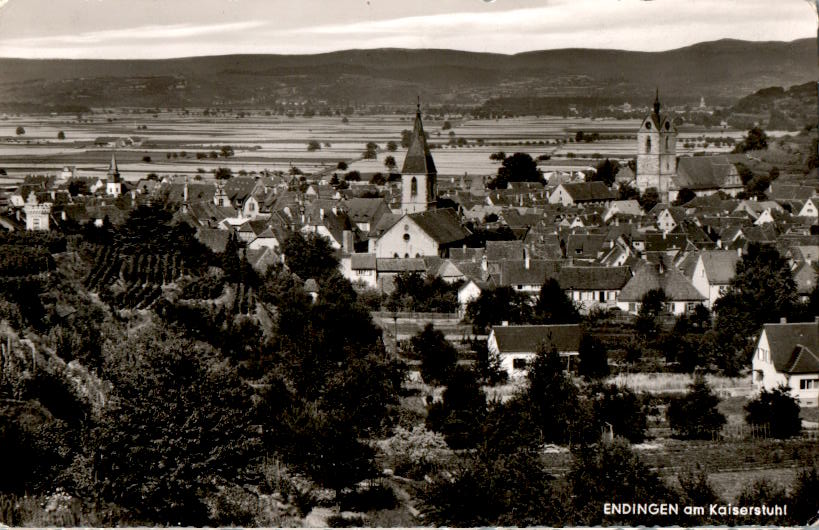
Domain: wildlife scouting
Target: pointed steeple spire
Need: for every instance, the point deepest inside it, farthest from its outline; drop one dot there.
(418, 159)
(113, 170)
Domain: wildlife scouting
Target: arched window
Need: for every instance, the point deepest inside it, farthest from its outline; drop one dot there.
(666, 143)
(648, 145)
(414, 187)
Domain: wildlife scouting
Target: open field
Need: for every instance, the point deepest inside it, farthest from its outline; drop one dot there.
(275, 143)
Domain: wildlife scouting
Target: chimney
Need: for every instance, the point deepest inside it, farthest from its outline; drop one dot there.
(505, 323)
(335, 210)
(347, 241)
(525, 259)
(321, 213)
(484, 263)
(784, 320)
(739, 251)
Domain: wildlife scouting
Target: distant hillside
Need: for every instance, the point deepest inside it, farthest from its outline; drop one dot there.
(779, 108)
(722, 71)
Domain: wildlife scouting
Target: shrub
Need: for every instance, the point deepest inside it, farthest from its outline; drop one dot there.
(778, 409)
(695, 414)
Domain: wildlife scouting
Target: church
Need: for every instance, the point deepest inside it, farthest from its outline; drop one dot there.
(659, 168)
(421, 229)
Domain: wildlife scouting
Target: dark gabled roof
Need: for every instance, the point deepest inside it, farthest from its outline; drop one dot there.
(400, 265)
(504, 250)
(239, 188)
(418, 159)
(677, 287)
(213, 238)
(365, 210)
(527, 339)
(360, 262)
(706, 172)
(780, 191)
(589, 191)
(793, 347)
(588, 245)
(443, 226)
(594, 278)
(516, 272)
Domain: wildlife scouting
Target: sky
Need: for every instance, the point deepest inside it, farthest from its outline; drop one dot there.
(146, 29)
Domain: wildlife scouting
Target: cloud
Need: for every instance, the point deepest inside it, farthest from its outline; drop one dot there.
(142, 33)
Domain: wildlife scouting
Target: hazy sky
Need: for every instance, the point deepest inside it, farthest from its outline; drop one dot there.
(175, 28)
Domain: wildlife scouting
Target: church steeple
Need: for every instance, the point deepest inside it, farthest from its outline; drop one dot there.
(419, 187)
(113, 170)
(418, 159)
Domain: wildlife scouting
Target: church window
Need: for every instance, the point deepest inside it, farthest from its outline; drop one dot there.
(406, 237)
(648, 144)
(666, 141)
(414, 186)
(648, 125)
(667, 126)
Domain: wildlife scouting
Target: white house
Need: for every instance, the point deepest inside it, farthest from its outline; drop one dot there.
(788, 354)
(517, 346)
(809, 209)
(681, 295)
(37, 215)
(427, 233)
(710, 271)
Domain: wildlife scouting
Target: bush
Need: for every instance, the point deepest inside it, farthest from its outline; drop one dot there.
(778, 409)
(695, 415)
(438, 356)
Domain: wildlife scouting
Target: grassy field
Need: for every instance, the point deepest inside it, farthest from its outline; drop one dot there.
(276, 142)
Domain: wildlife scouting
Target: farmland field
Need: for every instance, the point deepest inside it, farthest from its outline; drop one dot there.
(180, 143)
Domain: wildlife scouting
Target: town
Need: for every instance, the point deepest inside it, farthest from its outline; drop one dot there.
(519, 305)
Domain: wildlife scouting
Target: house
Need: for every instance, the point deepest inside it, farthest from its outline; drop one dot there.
(593, 287)
(425, 233)
(517, 346)
(804, 275)
(526, 275)
(365, 213)
(788, 354)
(810, 209)
(622, 208)
(594, 192)
(469, 291)
(38, 214)
(681, 295)
(710, 271)
(360, 268)
(670, 217)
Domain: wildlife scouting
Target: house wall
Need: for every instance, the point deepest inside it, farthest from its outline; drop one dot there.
(560, 196)
(585, 301)
(260, 242)
(809, 397)
(467, 293)
(392, 243)
(765, 375)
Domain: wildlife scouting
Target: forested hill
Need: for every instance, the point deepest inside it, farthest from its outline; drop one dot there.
(722, 71)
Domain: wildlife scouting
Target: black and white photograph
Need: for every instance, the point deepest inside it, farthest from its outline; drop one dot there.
(409, 263)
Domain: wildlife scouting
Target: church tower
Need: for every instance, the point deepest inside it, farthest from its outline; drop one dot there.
(656, 152)
(419, 187)
(113, 185)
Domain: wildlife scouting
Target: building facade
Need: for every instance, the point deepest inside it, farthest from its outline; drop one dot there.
(656, 152)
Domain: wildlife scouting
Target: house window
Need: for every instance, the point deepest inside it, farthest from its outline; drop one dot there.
(519, 363)
(758, 376)
(808, 384)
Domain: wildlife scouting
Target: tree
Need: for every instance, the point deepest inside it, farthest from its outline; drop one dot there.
(496, 305)
(777, 409)
(499, 156)
(389, 162)
(61, 135)
(438, 356)
(626, 192)
(20, 130)
(551, 398)
(649, 199)
(352, 176)
(554, 306)
(342, 165)
(612, 472)
(763, 492)
(146, 159)
(762, 290)
(756, 139)
(378, 179)
(652, 306)
(313, 145)
(606, 171)
(309, 257)
(460, 413)
(180, 423)
(802, 502)
(222, 173)
(226, 151)
(578, 136)
(446, 126)
(392, 146)
(695, 415)
(684, 196)
(619, 409)
(406, 137)
(593, 358)
(370, 151)
(519, 167)
(696, 489)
